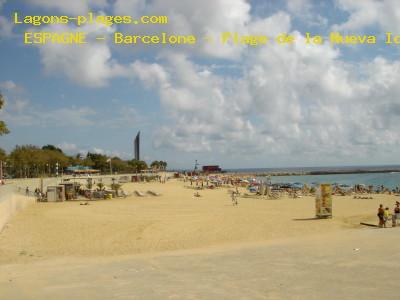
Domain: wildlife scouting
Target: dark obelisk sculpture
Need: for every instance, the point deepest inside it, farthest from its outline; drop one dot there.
(137, 146)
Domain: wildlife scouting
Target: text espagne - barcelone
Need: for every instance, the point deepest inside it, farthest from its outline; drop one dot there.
(234, 38)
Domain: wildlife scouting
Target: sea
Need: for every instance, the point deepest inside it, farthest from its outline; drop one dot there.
(370, 175)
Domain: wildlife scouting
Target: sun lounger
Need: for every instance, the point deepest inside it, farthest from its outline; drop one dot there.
(254, 196)
(152, 193)
(140, 194)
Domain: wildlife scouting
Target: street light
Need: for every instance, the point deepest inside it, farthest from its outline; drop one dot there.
(109, 160)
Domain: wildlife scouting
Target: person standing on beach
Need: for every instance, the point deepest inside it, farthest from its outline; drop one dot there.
(386, 215)
(396, 214)
(380, 215)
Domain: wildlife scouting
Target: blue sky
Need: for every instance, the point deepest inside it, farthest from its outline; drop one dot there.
(272, 106)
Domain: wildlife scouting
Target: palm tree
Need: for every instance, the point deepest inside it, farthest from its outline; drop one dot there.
(100, 186)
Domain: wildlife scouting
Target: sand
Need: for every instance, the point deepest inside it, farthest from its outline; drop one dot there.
(199, 233)
(359, 265)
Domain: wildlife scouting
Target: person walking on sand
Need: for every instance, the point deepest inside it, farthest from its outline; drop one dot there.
(234, 198)
(380, 215)
(386, 215)
(396, 214)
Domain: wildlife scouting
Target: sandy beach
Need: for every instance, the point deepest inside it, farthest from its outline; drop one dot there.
(175, 220)
(51, 236)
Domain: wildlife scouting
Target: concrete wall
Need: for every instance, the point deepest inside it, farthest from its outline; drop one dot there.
(11, 203)
(33, 183)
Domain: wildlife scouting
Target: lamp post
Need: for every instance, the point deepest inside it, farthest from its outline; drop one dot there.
(1, 172)
(109, 160)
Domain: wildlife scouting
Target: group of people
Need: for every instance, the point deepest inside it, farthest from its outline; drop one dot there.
(384, 215)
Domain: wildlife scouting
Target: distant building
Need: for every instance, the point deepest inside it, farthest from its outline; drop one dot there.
(211, 169)
(136, 146)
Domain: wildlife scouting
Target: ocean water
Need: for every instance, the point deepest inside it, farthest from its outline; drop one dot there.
(316, 169)
(389, 180)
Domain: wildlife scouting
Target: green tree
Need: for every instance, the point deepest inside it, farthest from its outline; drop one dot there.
(138, 165)
(99, 162)
(75, 160)
(119, 165)
(52, 148)
(155, 165)
(3, 126)
(31, 161)
(3, 155)
(24, 159)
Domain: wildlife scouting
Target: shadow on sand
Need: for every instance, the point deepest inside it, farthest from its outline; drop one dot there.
(309, 219)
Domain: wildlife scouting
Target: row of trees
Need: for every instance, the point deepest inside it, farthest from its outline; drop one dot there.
(32, 161)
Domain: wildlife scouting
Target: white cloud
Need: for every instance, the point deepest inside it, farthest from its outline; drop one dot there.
(288, 101)
(75, 116)
(6, 27)
(72, 149)
(298, 100)
(20, 112)
(69, 147)
(18, 104)
(299, 6)
(305, 11)
(150, 74)
(129, 7)
(90, 64)
(367, 13)
(98, 151)
(14, 95)
(8, 85)
(70, 7)
(200, 18)
(124, 116)
(110, 153)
